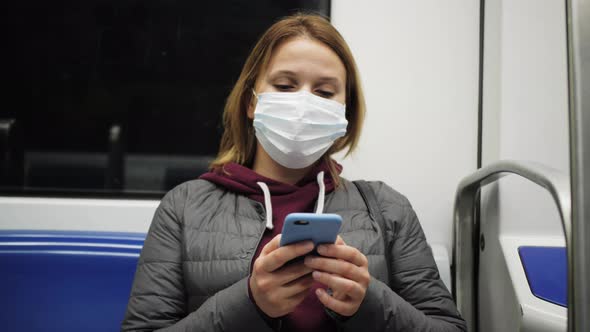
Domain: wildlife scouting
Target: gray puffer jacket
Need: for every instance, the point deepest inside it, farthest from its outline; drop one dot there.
(193, 270)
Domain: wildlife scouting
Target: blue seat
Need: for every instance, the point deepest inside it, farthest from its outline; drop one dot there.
(546, 272)
(66, 281)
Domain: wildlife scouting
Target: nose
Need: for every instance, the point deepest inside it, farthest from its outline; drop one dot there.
(305, 87)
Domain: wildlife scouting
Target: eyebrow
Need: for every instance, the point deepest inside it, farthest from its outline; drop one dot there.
(292, 74)
(283, 72)
(329, 79)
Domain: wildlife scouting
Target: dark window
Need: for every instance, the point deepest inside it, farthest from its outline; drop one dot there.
(121, 98)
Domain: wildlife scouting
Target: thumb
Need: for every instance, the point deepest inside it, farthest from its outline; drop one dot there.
(273, 245)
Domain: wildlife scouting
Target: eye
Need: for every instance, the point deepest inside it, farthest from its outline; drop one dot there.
(325, 93)
(283, 87)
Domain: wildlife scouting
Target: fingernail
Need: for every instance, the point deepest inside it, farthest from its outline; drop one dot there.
(307, 260)
(319, 292)
(322, 249)
(316, 274)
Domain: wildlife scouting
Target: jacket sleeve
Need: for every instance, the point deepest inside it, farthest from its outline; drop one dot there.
(158, 299)
(418, 299)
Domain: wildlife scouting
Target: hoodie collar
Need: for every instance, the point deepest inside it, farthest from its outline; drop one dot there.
(242, 180)
(268, 203)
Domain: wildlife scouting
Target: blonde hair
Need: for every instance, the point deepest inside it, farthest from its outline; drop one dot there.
(238, 143)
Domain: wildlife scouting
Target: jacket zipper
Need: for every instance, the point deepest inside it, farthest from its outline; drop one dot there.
(280, 323)
(257, 244)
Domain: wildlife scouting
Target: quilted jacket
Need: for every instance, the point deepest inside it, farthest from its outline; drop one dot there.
(193, 270)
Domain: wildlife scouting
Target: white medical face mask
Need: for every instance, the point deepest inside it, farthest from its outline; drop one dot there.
(297, 128)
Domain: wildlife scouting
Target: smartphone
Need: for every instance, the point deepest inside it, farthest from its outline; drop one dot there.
(319, 228)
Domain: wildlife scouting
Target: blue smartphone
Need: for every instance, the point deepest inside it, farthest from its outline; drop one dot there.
(319, 228)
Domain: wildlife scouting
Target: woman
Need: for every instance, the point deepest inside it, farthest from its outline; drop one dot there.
(212, 260)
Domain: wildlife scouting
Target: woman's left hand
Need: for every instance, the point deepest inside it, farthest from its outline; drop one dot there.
(344, 270)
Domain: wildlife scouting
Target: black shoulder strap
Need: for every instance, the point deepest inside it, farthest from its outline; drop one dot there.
(375, 215)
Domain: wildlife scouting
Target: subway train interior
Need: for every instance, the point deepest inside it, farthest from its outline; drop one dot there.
(478, 111)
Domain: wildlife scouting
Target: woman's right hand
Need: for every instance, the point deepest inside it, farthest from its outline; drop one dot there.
(278, 289)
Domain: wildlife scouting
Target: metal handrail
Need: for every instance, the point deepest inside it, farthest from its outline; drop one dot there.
(466, 226)
(578, 49)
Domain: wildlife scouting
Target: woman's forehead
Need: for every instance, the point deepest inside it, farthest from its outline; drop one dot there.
(303, 56)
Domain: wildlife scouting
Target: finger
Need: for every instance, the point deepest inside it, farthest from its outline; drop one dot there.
(336, 266)
(271, 246)
(294, 300)
(338, 295)
(339, 240)
(287, 304)
(282, 255)
(286, 274)
(343, 308)
(340, 285)
(295, 287)
(335, 294)
(344, 252)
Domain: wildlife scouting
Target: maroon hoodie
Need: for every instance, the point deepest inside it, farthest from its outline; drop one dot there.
(309, 315)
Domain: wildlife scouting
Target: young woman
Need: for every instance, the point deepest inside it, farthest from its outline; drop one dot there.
(212, 260)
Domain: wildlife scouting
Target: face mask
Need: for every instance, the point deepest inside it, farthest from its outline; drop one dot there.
(297, 128)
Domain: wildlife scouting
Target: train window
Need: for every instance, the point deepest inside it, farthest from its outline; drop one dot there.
(121, 97)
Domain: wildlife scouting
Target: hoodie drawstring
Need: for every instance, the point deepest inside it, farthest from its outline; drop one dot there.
(322, 193)
(268, 204)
